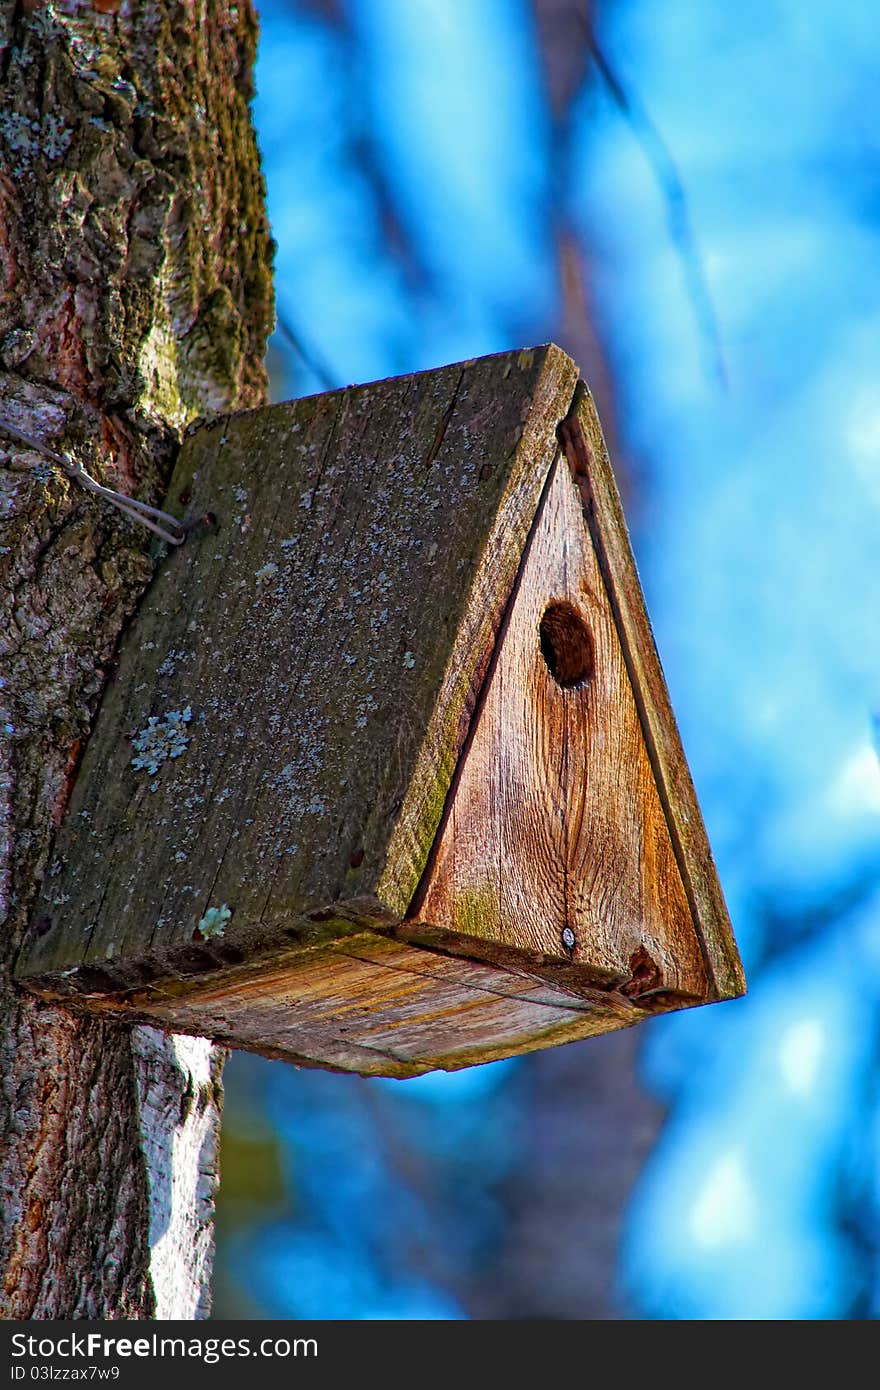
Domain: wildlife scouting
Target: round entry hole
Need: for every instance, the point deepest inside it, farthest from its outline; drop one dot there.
(566, 645)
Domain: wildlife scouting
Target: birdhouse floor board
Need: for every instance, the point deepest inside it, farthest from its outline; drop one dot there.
(387, 778)
(383, 1007)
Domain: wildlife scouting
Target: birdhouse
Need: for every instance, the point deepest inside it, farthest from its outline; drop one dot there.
(387, 778)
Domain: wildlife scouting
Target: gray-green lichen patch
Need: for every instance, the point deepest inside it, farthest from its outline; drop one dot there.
(29, 138)
(213, 924)
(161, 740)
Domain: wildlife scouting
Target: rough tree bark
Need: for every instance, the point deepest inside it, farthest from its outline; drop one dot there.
(136, 295)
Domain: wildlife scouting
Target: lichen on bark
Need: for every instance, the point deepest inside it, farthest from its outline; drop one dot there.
(135, 295)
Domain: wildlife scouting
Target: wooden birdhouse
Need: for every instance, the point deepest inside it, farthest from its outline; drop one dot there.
(387, 779)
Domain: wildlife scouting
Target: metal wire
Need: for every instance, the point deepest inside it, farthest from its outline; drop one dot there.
(129, 506)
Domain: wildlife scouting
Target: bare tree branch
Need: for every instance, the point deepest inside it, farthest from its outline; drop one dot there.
(309, 358)
(671, 185)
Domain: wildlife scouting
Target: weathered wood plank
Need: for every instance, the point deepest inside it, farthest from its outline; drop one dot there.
(311, 663)
(380, 1007)
(581, 434)
(555, 839)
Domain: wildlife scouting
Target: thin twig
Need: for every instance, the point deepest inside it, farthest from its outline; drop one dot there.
(669, 179)
(306, 355)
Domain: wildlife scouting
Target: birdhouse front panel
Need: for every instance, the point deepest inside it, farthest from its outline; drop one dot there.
(555, 839)
(385, 780)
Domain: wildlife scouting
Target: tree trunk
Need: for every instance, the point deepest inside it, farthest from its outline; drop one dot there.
(135, 265)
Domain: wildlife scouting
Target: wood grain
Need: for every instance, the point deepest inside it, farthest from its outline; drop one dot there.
(581, 434)
(555, 839)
